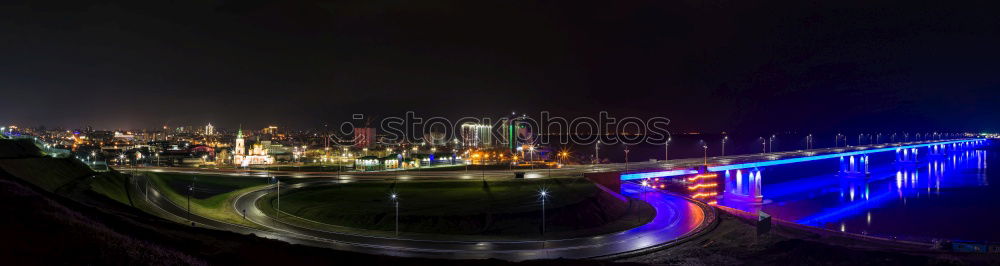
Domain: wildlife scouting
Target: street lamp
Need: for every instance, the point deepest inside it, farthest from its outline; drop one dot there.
(395, 201)
(809, 141)
(706, 153)
(597, 158)
(771, 142)
(724, 145)
(626, 158)
(277, 204)
(543, 194)
(190, 190)
(531, 152)
(763, 145)
(666, 149)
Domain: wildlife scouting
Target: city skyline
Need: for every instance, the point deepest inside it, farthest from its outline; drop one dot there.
(458, 132)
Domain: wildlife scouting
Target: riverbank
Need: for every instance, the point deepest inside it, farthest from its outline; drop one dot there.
(734, 241)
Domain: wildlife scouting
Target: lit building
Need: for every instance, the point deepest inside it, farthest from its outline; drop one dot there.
(209, 129)
(516, 132)
(240, 147)
(476, 135)
(364, 137)
(435, 138)
(270, 130)
(256, 155)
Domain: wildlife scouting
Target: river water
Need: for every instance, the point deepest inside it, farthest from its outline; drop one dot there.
(939, 197)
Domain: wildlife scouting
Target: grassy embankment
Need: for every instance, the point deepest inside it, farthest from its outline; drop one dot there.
(212, 195)
(67, 177)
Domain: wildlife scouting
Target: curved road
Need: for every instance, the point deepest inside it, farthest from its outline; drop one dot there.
(676, 218)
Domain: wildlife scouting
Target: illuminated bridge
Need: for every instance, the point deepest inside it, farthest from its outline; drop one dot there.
(742, 174)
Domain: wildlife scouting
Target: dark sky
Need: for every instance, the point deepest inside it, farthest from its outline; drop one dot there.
(707, 65)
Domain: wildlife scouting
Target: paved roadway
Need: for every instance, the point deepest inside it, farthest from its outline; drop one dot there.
(676, 217)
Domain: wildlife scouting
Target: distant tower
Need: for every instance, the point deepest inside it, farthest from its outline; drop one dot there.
(239, 149)
(209, 129)
(364, 137)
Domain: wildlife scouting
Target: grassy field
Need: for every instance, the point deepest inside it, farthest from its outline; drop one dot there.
(212, 195)
(509, 207)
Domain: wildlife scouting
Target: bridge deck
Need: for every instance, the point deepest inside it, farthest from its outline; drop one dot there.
(724, 163)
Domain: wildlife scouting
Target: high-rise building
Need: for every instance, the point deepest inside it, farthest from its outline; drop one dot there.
(209, 129)
(270, 130)
(435, 138)
(515, 132)
(364, 137)
(477, 135)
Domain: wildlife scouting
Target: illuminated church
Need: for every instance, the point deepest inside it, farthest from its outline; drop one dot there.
(256, 155)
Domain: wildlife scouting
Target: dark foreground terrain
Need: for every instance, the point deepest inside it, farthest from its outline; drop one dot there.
(62, 214)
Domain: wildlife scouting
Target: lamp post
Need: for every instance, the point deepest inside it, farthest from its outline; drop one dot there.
(277, 204)
(809, 141)
(395, 201)
(626, 158)
(543, 194)
(190, 190)
(531, 153)
(666, 149)
(550, 170)
(597, 157)
(771, 142)
(724, 145)
(763, 145)
(706, 153)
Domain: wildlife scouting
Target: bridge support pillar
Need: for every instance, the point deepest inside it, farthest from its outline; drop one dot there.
(908, 155)
(855, 167)
(743, 188)
(937, 150)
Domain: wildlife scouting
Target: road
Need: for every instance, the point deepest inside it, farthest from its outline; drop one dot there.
(676, 217)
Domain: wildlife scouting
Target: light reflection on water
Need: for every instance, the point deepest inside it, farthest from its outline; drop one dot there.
(938, 197)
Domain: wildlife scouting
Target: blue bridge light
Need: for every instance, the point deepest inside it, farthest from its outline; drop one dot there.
(720, 168)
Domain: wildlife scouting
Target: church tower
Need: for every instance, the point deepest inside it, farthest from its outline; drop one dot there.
(239, 149)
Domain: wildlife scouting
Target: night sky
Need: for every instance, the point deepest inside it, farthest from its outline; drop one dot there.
(707, 65)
